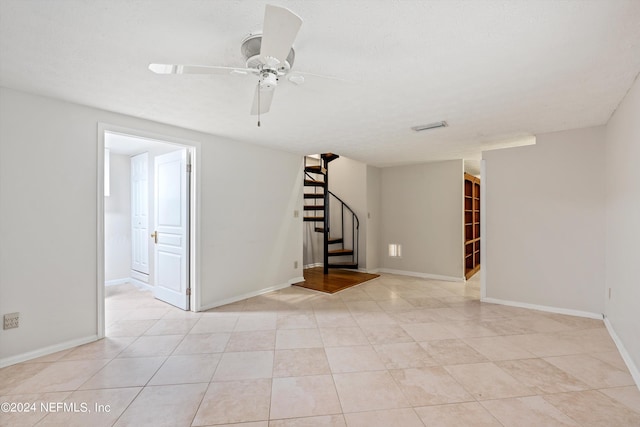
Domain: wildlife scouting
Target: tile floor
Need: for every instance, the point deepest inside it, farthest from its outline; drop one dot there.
(395, 351)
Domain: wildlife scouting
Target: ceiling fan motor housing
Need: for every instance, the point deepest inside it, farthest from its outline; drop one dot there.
(250, 49)
(268, 79)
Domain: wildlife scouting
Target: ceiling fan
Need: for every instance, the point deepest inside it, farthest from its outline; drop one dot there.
(269, 56)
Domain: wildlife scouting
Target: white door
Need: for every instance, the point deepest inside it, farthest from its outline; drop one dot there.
(140, 215)
(171, 234)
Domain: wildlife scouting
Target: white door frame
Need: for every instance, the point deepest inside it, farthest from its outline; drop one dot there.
(194, 213)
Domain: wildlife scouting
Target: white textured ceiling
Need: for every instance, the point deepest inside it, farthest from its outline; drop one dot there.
(497, 71)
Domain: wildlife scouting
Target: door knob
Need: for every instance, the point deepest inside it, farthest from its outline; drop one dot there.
(155, 237)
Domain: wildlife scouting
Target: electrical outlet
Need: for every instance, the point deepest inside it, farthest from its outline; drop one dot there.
(296, 214)
(295, 264)
(11, 320)
(609, 293)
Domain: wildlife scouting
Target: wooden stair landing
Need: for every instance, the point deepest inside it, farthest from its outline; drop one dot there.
(334, 281)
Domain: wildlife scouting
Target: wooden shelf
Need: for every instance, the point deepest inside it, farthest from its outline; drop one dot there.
(471, 225)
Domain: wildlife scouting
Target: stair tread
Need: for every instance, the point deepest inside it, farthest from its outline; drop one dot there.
(339, 252)
(343, 265)
(314, 195)
(315, 169)
(314, 218)
(334, 241)
(314, 183)
(313, 207)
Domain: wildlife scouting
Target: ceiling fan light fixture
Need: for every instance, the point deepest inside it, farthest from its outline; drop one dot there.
(434, 125)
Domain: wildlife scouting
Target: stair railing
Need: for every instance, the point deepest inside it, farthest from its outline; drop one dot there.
(355, 227)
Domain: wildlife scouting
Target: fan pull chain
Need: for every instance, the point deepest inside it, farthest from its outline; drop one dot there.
(258, 103)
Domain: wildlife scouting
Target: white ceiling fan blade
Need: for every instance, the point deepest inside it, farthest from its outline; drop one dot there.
(198, 69)
(278, 33)
(263, 100)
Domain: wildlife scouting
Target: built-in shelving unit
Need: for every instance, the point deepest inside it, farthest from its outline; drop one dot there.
(471, 225)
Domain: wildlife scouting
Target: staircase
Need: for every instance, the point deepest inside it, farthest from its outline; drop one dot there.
(340, 248)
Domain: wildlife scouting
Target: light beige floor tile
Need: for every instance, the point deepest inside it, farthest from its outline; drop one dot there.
(576, 322)
(306, 396)
(541, 375)
(613, 358)
(545, 345)
(60, 376)
(17, 415)
(368, 391)
(106, 348)
(452, 352)
(338, 337)
(103, 408)
(592, 371)
(217, 324)
(430, 386)
(426, 331)
(363, 306)
(386, 334)
(403, 355)
(250, 424)
(53, 357)
(166, 405)
(298, 338)
(428, 302)
(141, 313)
(333, 319)
(415, 316)
(373, 318)
(125, 372)
(299, 362)
(531, 411)
(498, 348)
(149, 346)
(128, 328)
(235, 402)
(353, 359)
(487, 381)
(203, 343)
(13, 375)
(244, 365)
(196, 368)
(628, 396)
(468, 329)
(405, 417)
(592, 408)
(256, 322)
(171, 327)
(321, 421)
(296, 321)
(457, 415)
(252, 341)
(395, 304)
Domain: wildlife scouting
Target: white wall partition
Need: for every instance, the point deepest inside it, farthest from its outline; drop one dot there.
(117, 223)
(544, 217)
(421, 207)
(623, 226)
(49, 262)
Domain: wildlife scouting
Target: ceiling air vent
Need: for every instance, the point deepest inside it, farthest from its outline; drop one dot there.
(434, 125)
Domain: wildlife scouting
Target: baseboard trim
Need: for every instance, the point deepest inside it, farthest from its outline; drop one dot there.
(140, 276)
(45, 351)
(317, 264)
(633, 369)
(421, 275)
(115, 282)
(549, 309)
(250, 294)
(140, 284)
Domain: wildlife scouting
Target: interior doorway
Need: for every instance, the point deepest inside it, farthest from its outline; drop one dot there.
(148, 217)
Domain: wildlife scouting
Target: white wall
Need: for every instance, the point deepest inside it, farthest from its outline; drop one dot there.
(348, 180)
(623, 223)
(544, 213)
(373, 218)
(422, 209)
(117, 220)
(48, 219)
